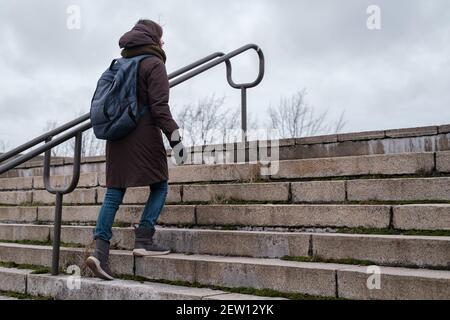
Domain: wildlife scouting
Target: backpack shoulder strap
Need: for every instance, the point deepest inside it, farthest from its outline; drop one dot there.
(139, 59)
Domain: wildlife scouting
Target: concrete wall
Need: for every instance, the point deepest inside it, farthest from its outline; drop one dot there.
(422, 139)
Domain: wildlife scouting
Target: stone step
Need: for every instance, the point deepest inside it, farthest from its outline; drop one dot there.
(394, 284)
(422, 217)
(65, 287)
(403, 217)
(386, 250)
(426, 189)
(397, 164)
(13, 280)
(397, 141)
(321, 216)
(308, 278)
(417, 251)
(394, 164)
(395, 190)
(328, 191)
(221, 215)
(171, 215)
(5, 298)
(318, 279)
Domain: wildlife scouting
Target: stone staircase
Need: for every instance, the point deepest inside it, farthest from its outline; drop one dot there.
(315, 229)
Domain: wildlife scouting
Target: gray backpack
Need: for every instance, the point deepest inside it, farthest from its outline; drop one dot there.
(114, 106)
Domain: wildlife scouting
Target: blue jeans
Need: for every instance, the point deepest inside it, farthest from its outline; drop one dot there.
(114, 198)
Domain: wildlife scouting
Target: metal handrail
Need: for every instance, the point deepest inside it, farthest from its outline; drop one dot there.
(181, 75)
(81, 119)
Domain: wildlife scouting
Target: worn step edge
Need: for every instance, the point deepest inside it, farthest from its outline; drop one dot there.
(308, 278)
(6, 298)
(66, 287)
(318, 279)
(387, 283)
(391, 250)
(385, 164)
(403, 217)
(326, 191)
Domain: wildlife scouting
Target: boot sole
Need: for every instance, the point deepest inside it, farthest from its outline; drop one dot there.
(145, 253)
(94, 264)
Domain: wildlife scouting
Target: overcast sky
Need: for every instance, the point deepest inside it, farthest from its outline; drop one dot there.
(390, 78)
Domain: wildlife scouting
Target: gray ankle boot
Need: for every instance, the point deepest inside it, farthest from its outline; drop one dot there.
(99, 261)
(144, 245)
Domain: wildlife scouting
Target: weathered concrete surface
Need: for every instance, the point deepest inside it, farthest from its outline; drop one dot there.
(235, 243)
(433, 143)
(17, 232)
(226, 243)
(366, 135)
(304, 168)
(412, 132)
(286, 276)
(217, 193)
(95, 289)
(69, 213)
(78, 196)
(123, 238)
(210, 173)
(386, 250)
(5, 298)
(357, 166)
(64, 288)
(121, 261)
(421, 251)
(422, 217)
(86, 180)
(443, 162)
(40, 162)
(16, 183)
(13, 280)
(422, 139)
(396, 284)
(140, 195)
(399, 189)
(317, 139)
(318, 191)
(18, 214)
(37, 170)
(177, 215)
(295, 215)
(15, 197)
(444, 128)
(171, 215)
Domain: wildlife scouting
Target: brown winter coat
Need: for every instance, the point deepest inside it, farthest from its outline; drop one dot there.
(140, 158)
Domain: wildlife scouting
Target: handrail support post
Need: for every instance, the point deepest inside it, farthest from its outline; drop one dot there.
(244, 114)
(57, 233)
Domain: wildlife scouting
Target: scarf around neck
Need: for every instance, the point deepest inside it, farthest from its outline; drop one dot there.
(145, 49)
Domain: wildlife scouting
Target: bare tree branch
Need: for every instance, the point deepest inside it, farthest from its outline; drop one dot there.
(294, 118)
(4, 146)
(90, 145)
(208, 121)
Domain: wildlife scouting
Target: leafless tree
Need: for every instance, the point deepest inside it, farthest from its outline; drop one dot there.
(295, 118)
(208, 121)
(90, 146)
(4, 146)
(60, 150)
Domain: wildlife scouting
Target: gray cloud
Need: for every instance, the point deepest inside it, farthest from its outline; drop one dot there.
(395, 77)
